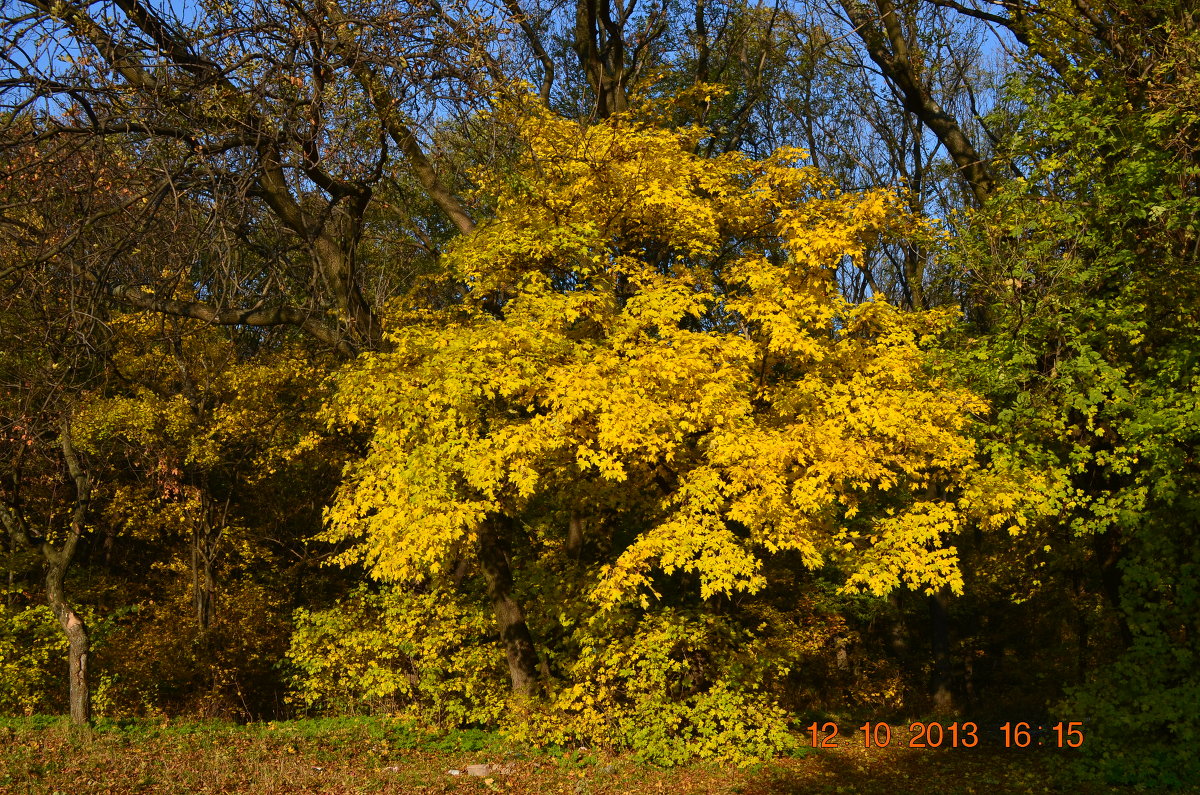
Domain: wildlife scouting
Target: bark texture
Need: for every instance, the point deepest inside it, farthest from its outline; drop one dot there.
(514, 632)
(78, 645)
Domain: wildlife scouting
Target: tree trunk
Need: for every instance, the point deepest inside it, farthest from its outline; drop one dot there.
(1108, 554)
(514, 632)
(10, 595)
(575, 533)
(600, 44)
(204, 587)
(897, 631)
(883, 36)
(1082, 625)
(77, 639)
(939, 632)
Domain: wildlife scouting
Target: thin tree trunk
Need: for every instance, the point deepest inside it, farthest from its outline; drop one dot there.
(1108, 553)
(939, 633)
(1082, 625)
(897, 631)
(206, 536)
(78, 645)
(10, 596)
(575, 533)
(514, 632)
(203, 586)
(58, 560)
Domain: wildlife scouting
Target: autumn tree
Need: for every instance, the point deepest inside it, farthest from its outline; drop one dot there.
(173, 470)
(650, 342)
(58, 546)
(205, 451)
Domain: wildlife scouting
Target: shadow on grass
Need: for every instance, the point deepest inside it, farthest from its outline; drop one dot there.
(944, 772)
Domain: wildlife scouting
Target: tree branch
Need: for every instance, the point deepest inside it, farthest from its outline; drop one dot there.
(253, 316)
(896, 66)
(535, 44)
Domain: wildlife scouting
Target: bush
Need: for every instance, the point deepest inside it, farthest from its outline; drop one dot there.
(671, 686)
(33, 661)
(429, 655)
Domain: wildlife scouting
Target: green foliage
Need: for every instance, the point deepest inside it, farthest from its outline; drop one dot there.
(1142, 709)
(1088, 353)
(425, 655)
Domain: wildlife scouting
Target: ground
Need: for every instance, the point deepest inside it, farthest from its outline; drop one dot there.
(330, 757)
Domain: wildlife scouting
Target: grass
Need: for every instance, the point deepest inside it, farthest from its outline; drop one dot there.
(44, 756)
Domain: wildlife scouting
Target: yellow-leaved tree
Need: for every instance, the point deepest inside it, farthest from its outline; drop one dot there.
(644, 354)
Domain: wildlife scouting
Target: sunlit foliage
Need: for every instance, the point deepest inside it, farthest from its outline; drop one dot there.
(644, 330)
(651, 342)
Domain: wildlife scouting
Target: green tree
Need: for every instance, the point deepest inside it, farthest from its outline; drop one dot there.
(1089, 360)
